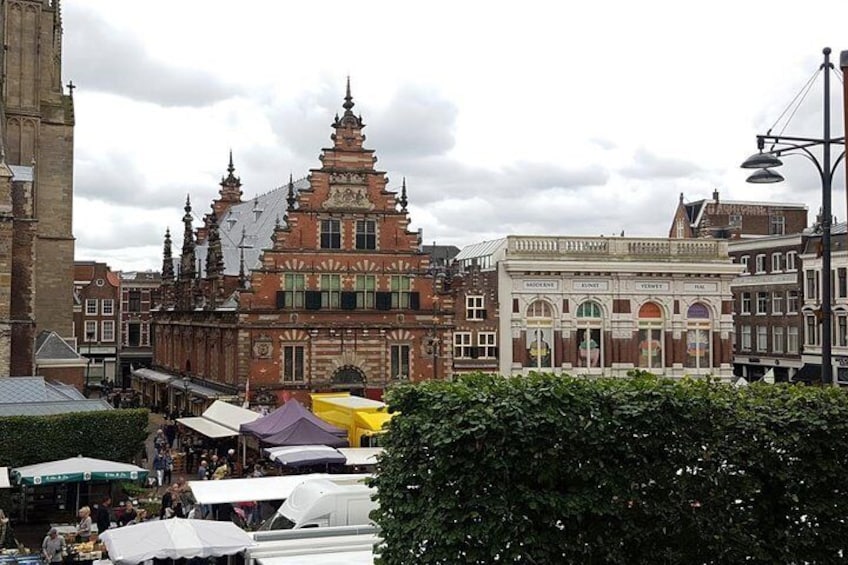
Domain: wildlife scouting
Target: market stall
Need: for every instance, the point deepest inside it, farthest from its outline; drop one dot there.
(4, 478)
(294, 456)
(174, 539)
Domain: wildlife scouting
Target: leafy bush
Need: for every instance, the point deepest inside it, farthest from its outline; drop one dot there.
(116, 435)
(549, 469)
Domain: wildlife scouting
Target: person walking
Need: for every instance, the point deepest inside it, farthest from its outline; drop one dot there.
(103, 518)
(169, 467)
(159, 465)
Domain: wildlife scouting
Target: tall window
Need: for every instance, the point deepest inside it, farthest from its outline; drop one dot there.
(761, 264)
(842, 330)
(366, 234)
(400, 362)
(681, 229)
(589, 342)
(487, 346)
(776, 262)
(812, 287)
(792, 302)
(698, 337)
(777, 225)
(462, 345)
(744, 260)
(107, 330)
(365, 288)
(790, 260)
(650, 336)
(539, 336)
(90, 331)
(133, 334)
(735, 220)
(474, 308)
(295, 290)
(107, 307)
(777, 339)
(745, 338)
(762, 339)
(792, 339)
(134, 301)
(746, 303)
(331, 291)
(90, 307)
(777, 302)
(293, 363)
(331, 234)
(762, 303)
(812, 327)
(401, 286)
(842, 284)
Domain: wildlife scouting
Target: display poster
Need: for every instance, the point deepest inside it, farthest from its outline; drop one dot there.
(589, 347)
(650, 348)
(539, 352)
(698, 348)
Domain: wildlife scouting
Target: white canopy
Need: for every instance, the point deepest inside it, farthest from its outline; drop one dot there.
(4, 477)
(221, 419)
(173, 539)
(360, 455)
(255, 489)
(317, 548)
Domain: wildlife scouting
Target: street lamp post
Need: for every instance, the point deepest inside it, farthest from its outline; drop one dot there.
(789, 145)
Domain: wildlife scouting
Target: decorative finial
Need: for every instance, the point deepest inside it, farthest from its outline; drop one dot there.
(291, 198)
(230, 167)
(403, 200)
(348, 104)
(188, 204)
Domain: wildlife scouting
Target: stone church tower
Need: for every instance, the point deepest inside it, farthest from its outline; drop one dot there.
(37, 118)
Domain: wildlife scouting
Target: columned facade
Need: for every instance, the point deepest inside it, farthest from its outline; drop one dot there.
(606, 306)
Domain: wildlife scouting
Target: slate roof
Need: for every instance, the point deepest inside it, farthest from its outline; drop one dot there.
(49, 345)
(54, 407)
(258, 217)
(22, 173)
(33, 396)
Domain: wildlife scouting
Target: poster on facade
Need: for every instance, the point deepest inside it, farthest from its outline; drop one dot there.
(650, 348)
(589, 347)
(539, 342)
(697, 348)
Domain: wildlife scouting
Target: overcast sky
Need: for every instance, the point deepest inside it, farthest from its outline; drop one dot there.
(523, 118)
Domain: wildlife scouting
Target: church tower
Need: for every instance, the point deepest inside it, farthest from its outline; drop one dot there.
(38, 135)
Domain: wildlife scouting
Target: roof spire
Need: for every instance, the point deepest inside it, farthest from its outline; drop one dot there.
(167, 259)
(403, 201)
(214, 253)
(231, 184)
(291, 198)
(348, 104)
(187, 260)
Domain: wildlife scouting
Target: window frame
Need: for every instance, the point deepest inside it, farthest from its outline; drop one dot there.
(462, 345)
(90, 327)
(762, 339)
(474, 307)
(366, 235)
(293, 366)
(745, 303)
(400, 360)
(104, 336)
(745, 338)
(487, 345)
(90, 306)
(330, 233)
(760, 264)
(133, 301)
(762, 303)
(365, 287)
(776, 262)
(777, 339)
(792, 340)
(294, 297)
(401, 290)
(330, 286)
(777, 302)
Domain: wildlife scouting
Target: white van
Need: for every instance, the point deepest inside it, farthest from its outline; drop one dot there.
(319, 503)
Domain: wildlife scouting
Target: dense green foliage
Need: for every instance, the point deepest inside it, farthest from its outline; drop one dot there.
(549, 469)
(115, 435)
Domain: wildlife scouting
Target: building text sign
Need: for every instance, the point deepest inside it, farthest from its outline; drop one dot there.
(541, 285)
(646, 286)
(700, 287)
(591, 285)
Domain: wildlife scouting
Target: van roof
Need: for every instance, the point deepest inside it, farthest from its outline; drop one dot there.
(356, 402)
(308, 493)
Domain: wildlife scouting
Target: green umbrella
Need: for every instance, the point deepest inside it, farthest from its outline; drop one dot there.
(77, 470)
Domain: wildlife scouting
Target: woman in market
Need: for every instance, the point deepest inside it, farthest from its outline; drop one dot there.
(167, 474)
(84, 526)
(7, 537)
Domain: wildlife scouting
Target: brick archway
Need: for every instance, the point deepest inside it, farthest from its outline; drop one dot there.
(348, 378)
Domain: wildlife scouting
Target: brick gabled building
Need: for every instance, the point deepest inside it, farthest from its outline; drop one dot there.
(318, 285)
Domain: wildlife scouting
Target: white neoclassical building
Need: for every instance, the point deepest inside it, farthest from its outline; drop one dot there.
(606, 305)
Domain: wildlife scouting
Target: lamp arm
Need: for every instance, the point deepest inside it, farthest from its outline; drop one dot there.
(836, 163)
(804, 152)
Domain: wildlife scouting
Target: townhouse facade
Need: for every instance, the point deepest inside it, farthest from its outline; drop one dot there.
(97, 319)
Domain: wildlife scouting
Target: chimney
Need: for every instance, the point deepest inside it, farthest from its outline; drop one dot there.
(715, 195)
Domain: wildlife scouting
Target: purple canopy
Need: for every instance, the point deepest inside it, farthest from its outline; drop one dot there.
(304, 432)
(285, 416)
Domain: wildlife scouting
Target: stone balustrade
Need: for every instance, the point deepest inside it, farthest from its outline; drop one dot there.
(645, 248)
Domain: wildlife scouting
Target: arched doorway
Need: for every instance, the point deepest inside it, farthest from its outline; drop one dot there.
(350, 379)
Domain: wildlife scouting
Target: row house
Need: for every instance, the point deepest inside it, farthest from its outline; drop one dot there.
(97, 295)
(735, 219)
(810, 311)
(767, 312)
(318, 285)
(139, 294)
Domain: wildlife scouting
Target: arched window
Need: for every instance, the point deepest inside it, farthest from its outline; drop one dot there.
(650, 337)
(539, 341)
(590, 352)
(698, 337)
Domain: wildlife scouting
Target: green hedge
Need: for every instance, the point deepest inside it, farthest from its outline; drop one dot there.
(116, 435)
(549, 469)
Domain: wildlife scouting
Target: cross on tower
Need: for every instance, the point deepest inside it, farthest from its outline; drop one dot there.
(71, 87)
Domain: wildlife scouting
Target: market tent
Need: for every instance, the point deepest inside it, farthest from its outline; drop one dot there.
(256, 489)
(300, 455)
(360, 455)
(289, 413)
(174, 539)
(4, 478)
(221, 419)
(76, 470)
(305, 432)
